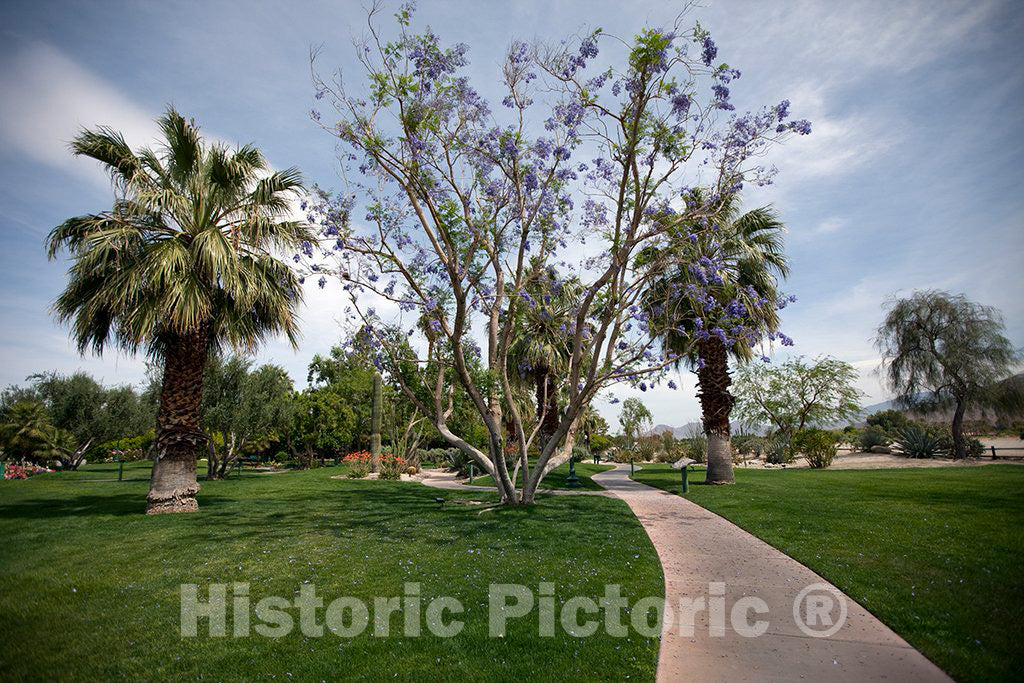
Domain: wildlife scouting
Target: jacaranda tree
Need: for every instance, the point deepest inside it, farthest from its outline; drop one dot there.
(183, 264)
(462, 205)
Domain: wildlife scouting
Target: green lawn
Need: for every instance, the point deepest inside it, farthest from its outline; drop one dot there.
(556, 477)
(937, 554)
(89, 587)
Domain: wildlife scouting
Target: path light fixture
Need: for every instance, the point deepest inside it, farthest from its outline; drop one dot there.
(572, 481)
(683, 465)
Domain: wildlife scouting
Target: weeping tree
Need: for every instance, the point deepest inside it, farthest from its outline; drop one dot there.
(942, 350)
(183, 264)
(738, 268)
(463, 206)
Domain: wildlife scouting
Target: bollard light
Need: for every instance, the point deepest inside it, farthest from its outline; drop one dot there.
(572, 481)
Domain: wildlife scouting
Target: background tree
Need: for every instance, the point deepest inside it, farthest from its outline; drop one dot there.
(26, 432)
(635, 418)
(742, 264)
(797, 394)
(90, 413)
(941, 349)
(322, 425)
(184, 263)
(540, 352)
(348, 371)
(241, 405)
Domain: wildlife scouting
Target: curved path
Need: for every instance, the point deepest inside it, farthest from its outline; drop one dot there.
(698, 547)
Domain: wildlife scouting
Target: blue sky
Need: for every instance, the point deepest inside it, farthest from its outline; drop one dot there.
(911, 179)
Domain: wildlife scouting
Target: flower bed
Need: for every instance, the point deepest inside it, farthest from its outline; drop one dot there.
(23, 472)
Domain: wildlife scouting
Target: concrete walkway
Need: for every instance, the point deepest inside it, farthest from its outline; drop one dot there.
(700, 551)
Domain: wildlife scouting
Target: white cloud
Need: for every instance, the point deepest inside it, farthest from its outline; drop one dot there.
(47, 99)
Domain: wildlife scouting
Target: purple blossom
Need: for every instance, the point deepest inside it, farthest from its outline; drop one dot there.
(710, 51)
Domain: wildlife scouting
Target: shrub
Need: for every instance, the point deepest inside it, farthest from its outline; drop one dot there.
(889, 421)
(667, 456)
(749, 445)
(696, 448)
(458, 461)
(817, 445)
(915, 441)
(872, 436)
(128, 448)
(392, 466)
(777, 450)
(975, 448)
(359, 464)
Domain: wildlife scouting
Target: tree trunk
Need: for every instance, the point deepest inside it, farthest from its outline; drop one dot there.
(547, 406)
(959, 444)
(378, 407)
(716, 404)
(173, 486)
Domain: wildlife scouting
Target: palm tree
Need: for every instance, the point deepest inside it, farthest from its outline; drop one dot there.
(182, 265)
(749, 248)
(25, 430)
(542, 347)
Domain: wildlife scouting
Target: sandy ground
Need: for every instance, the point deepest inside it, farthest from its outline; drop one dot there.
(846, 460)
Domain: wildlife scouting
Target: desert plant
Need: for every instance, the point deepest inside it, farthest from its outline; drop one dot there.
(359, 464)
(748, 445)
(872, 436)
(915, 441)
(458, 460)
(777, 450)
(392, 466)
(817, 445)
(696, 448)
(377, 410)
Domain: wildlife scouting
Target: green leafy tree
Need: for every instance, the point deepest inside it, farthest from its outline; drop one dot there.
(89, 413)
(348, 370)
(748, 255)
(322, 425)
(942, 350)
(240, 405)
(184, 263)
(797, 394)
(635, 418)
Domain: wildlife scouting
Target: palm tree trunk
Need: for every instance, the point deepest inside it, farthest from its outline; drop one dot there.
(547, 405)
(173, 486)
(716, 404)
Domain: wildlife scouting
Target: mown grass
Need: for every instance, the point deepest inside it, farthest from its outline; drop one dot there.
(90, 587)
(556, 478)
(937, 554)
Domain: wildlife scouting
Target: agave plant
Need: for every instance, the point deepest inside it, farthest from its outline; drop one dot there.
(777, 450)
(915, 441)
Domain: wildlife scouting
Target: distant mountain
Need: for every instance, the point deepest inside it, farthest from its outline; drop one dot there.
(677, 432)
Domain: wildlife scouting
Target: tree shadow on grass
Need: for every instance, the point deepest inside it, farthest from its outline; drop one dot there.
(125, 504)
